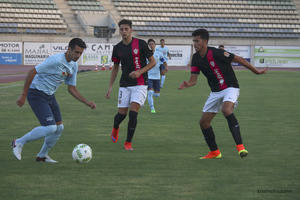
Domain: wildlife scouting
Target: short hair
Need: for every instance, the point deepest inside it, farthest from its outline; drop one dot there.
(203, 33)
(125, 21)
(221, 46)
(77, 41)
(162, 40)
(151, 40)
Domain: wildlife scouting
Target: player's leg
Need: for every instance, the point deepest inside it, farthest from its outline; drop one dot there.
(156, 87)
(209, 136)
(51, 139)
(163, 75)
(137, 99)
(123, 104)
(210, 110)
(40, 106)
(229, 103)
(150, 95)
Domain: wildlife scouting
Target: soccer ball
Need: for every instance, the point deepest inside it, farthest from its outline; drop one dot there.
(82, 153)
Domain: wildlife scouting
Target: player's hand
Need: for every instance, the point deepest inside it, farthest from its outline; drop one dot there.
(263, 71)
(21, 100)
(108, 93)
(183, 85)
(135, 74)
(91, 104)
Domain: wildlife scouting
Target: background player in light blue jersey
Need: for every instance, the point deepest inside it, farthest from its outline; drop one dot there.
(154, 75)
(39, 88)
(163, 68)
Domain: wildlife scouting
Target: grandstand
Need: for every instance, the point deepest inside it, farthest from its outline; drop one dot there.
(239, 22)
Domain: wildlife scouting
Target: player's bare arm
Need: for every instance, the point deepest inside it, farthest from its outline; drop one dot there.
(138, 73)
(113, 76)
(22, 98)
(75, 93)
(245, 63)
(190, 83)
(169, 55)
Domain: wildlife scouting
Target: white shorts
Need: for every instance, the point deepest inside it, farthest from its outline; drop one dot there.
(215, 100)
(136, 94)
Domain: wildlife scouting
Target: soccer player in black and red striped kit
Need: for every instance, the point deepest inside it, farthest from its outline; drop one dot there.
(132, 53)
(215, 64)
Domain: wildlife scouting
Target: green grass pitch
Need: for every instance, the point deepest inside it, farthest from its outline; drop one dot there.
(165, 164)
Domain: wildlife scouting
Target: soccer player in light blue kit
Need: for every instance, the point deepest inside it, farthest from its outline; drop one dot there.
(154, 75)
(163, 68)
(39, 88)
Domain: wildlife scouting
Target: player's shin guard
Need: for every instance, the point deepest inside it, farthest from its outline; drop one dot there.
(50, 141)
(118, 119)
(234, 128)
(210, 138)
(131, 125)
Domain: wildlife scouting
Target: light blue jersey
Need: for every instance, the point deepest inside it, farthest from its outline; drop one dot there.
(164, 50)
(52, 72)
(154, 73)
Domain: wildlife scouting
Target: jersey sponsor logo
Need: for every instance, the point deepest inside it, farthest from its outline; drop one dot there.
(137, 60)
(216, 70)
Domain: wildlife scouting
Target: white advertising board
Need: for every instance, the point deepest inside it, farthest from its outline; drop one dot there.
(180, 55)
(277, 56)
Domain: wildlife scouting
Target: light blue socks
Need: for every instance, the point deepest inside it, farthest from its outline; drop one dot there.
(50, 141)
(150, 99)
(162, 81)
(37, 133)
(156, 94)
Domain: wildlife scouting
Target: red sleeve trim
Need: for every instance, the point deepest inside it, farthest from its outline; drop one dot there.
(195, 69)
(115, 60)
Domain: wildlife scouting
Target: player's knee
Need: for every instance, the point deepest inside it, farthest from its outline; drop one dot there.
(204, 124)
(150, 92)
(226, 111)
(60, 128)
(50, 129)
(156, 94)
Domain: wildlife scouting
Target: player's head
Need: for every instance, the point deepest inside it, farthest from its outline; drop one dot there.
(75, 49)
(221, 46)
(200, 39)
(162, 42)
(125, 28)
(151, 44)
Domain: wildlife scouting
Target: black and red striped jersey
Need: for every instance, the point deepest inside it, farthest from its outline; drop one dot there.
(216, 66)
(132, 57)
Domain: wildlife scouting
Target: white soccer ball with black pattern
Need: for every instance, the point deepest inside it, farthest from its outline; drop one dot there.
(82, 153)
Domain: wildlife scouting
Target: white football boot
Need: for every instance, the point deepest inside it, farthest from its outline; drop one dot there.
(47, 159)
(17, 149)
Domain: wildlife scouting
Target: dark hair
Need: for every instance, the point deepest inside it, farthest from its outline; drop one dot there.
(162, 40)
(77, 41)
(221, 46)
(125, 21)
(203, 33)
(151, 40)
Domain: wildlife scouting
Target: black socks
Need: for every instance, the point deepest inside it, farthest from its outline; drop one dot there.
(234, 128)
(118, 119)
(131, 125)
(210, 138)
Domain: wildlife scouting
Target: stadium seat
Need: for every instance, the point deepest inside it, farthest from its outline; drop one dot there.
(250, 16)
(31, 16)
